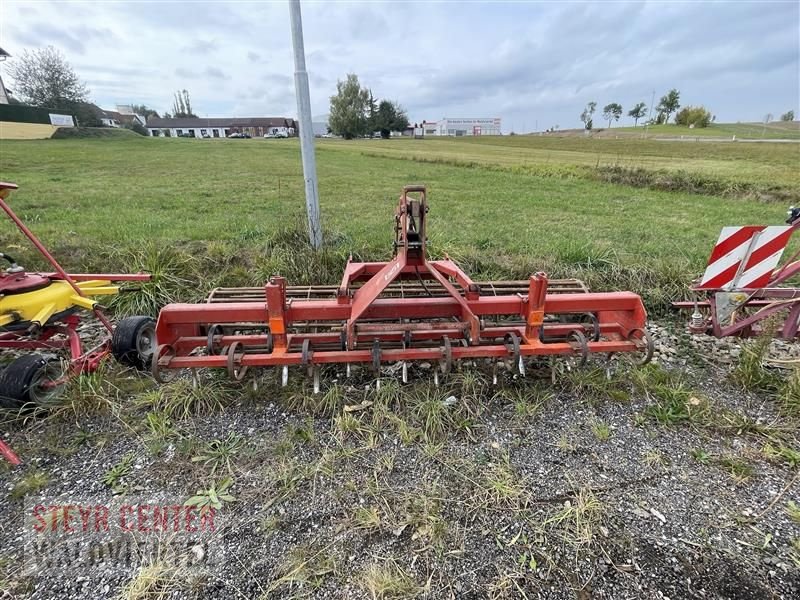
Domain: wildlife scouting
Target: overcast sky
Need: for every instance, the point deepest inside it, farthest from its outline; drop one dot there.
(529, 63)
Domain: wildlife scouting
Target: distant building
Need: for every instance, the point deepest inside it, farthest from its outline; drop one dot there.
(3, 94)
(129, 115)
(455, 127)
(220, 127)
(115, 118)
(460, 127)
(419, 130)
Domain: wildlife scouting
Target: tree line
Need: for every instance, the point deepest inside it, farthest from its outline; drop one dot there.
(355, 112)
(697, 116)
(669, 104)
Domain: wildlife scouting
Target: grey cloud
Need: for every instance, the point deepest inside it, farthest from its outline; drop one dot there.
(216, 73)
(190, 18)
(187, 73)
(201, 47)
(594, 62)
(73, 39)
(522, 61)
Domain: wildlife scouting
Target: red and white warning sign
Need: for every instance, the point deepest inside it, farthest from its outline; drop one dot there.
(745, 257)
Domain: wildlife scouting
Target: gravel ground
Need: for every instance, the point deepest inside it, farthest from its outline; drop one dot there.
(565, 491)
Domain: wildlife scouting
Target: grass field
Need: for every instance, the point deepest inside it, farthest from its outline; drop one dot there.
(675, 480)
(503, 206)
(773, 130)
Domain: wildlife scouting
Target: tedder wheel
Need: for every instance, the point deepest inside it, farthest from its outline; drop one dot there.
(134, 341)
(31, 379)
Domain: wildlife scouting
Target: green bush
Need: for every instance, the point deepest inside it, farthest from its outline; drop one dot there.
(693, 115)
(137, 127)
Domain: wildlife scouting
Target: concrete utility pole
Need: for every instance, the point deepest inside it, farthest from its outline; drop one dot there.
(306, 128)
(649, 114)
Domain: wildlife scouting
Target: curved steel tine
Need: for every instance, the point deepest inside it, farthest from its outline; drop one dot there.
(405, 372)
(436, 377)
(285, 376)
(316, 379)
(347, 370)
(494, 372)
(521, 366)
(378, 384)
(195, 379)
(255, 384)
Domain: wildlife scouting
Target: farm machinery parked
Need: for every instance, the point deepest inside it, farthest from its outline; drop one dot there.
(42, 312)
(407, 309)
(744, 286)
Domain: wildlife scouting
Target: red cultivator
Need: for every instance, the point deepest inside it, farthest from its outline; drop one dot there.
(407, 309)
(743, 285)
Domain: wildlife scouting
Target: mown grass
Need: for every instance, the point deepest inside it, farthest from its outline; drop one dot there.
(773, 130)
(771, 165)
(231, 212)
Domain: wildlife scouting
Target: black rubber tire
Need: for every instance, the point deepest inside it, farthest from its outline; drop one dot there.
(18, 379)
(126, 345)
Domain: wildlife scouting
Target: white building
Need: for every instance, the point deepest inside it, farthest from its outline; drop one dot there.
(459, 127)
(3, 94)
(197, 127)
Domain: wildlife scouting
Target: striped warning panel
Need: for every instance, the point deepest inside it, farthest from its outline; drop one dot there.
(745, 257)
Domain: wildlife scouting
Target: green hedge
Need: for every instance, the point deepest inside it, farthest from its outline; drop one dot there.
(20, 113)
(68, 133)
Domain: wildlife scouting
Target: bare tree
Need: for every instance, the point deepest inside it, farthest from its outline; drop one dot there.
(586, 115)
(182, 105)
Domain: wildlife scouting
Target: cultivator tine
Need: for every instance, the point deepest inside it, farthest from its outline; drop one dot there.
(576, 338)
(285, 376)
(236, 371)
(316, 379)
(645, 343)
(403, 363)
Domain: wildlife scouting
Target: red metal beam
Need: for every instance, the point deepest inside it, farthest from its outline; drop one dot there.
(102, 276)
(498, 351)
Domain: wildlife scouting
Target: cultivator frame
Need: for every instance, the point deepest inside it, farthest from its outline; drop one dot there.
(744, 286)
(407, 309)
